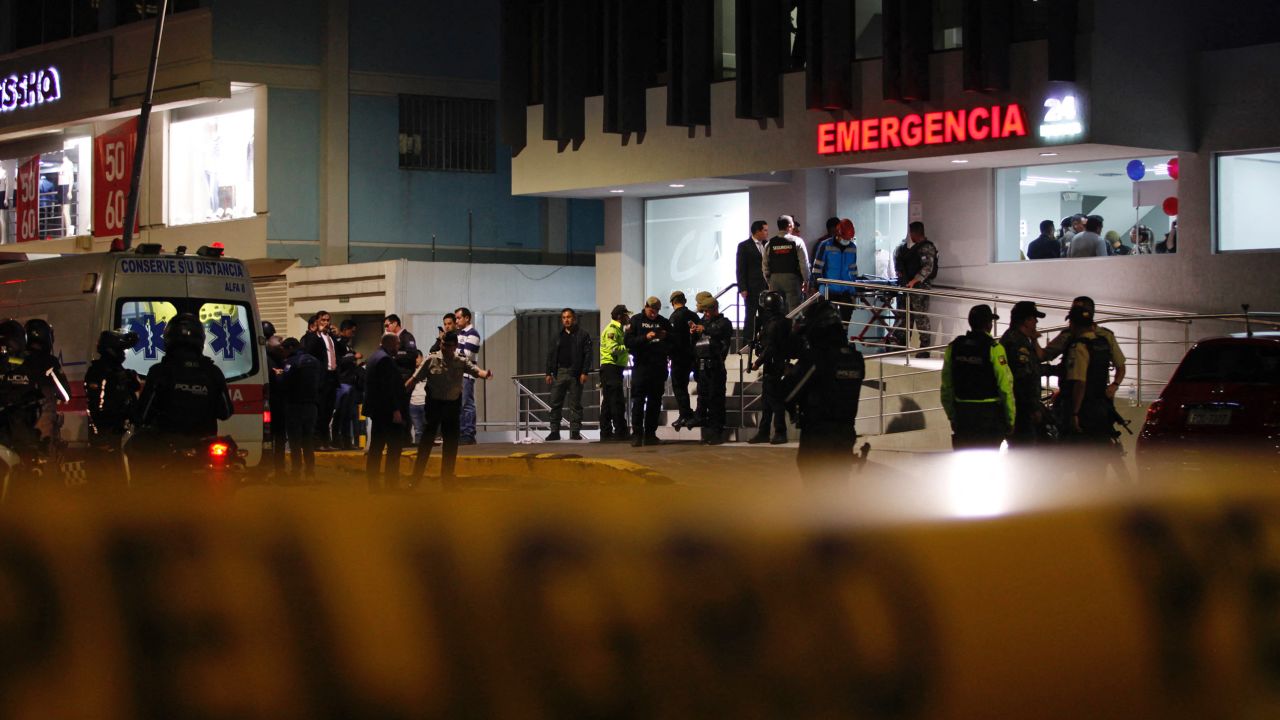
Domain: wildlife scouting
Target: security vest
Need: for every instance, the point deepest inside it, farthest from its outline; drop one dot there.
(836, 388)
(972, 374)
(784, 256)
(1098, 376)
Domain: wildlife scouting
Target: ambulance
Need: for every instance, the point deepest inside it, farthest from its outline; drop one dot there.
(139, 292)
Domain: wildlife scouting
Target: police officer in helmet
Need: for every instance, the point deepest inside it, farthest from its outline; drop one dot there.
(772, 355)
(977, 386)
(711, 334)
(54, 387)
(826, 383)
(20, 395)
(111, 392)
(185, 395)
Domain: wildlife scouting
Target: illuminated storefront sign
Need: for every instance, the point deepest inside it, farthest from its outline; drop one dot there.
(922, 129)
(30, 89)
(1061, 118)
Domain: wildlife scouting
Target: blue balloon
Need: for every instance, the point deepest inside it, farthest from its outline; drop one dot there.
(1136, 170)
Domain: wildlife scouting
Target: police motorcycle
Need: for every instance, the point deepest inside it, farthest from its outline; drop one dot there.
(175, 442)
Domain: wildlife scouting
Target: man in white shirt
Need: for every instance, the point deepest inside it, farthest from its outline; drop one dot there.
(468, 350)
(1089, 243)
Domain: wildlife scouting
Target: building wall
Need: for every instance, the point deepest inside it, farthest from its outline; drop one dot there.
(293, 165)
(420, 292)
(281, 32)
(426, 38)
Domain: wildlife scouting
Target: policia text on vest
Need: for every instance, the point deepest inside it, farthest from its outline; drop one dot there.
(977, 385)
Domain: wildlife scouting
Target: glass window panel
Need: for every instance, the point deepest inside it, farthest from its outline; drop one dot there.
(211, 168)
(692, 244)
(1248, 186)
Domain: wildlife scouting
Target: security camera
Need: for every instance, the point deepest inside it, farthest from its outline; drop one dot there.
(831, 171)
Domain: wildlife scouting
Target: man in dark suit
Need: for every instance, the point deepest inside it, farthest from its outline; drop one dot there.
(751, 280)
(320, 344)
(387, 405)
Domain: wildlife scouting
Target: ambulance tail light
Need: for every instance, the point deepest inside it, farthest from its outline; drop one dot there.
(266, 416)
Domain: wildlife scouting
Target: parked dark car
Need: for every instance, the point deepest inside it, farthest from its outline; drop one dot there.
(1224, 397)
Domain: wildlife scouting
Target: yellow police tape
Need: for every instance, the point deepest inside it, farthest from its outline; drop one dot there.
(629, 605)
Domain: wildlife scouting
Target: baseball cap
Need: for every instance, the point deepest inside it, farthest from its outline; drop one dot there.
(677, 297)
(653, 302)
(705, 301)
(1023, 310)
(1083, 301)
(619, 310)
(980, 314)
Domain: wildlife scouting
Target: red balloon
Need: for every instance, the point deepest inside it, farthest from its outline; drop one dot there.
(1173, 168)
(1170, 206)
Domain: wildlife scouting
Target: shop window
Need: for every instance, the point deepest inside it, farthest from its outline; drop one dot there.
(64, 195)
(36, 22)
(691, 244)
(211, 168)
(1247, 187)
(890, 230)
(1133, 213)
(128, 11)
(445, 133)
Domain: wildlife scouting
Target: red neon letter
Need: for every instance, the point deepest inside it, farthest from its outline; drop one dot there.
(1014, 126)
(826, 138)
(847, 140)
(889, 129)
(955, 126)
(996, 125)
(976, 132)
(933, 128)
(870, 134)
(912, 134)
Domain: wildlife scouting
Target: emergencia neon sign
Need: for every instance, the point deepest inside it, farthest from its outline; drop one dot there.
(922, 129)
(29, 90)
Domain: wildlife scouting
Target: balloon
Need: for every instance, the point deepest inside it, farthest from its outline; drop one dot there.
(1170, 206)
(1173, 168)
(1136, 170)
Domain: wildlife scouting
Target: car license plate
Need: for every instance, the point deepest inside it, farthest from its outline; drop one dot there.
(1209, 416)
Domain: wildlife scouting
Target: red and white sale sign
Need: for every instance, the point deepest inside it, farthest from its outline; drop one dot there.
(28, 205)
(112, 163)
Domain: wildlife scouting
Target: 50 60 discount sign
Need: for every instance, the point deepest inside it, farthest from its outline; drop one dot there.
(112, 162)
(28, 205)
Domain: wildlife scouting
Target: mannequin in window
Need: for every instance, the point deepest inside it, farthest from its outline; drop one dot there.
(48, 205)
(4, 206)
(66, 181)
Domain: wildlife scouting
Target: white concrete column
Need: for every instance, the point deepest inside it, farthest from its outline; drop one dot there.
(555, 230)
(620, 261)
(335, 135)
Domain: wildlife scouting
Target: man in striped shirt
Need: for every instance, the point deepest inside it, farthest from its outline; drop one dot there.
(469, 350)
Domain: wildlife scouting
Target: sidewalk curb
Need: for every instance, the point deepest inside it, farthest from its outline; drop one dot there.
(565, 468)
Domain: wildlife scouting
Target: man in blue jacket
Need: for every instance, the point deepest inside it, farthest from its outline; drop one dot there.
(836, 258)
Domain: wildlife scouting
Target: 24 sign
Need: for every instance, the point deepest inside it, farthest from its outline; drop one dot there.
(112, 161)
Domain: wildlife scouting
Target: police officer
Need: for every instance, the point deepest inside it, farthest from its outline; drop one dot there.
(683, 362)
(1024, 355)
(185, 393)
(977, 386)
(1085, 408)
(826, 382)
(111, 393)
(53, 383)
(1058, 345)
(20, 395)
(646, 338)
(773, 354)
(712, 334)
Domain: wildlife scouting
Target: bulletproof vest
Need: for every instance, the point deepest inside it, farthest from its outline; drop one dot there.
(17, 382)
(650, 352)
(117, 387)
(187, 399)
(912, 262)
(972, 374)
(712, 348)
(784, 256)
(838, 387)
(1098, 376)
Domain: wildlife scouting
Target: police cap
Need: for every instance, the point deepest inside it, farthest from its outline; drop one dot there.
(981, 315)
(619, 310)
(1023, 310)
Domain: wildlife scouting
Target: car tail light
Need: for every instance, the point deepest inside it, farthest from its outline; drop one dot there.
(1153, 413)
(219, 450)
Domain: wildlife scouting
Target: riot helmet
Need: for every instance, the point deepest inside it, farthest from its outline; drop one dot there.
(268, 329)
(113, 344)
(184, 332)
(823, 327)
(39, 335)
(13, 338)
(772, 303)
